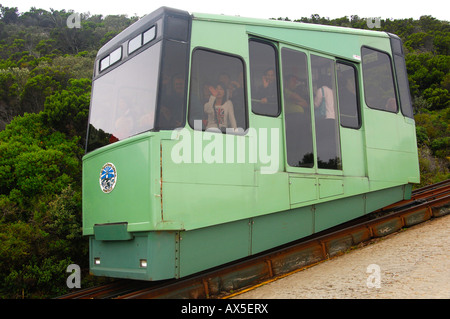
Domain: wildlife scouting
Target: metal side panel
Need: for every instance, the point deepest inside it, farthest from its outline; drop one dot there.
(125, 258)
(208, 247)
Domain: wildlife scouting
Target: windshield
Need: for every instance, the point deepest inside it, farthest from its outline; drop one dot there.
(124, 100)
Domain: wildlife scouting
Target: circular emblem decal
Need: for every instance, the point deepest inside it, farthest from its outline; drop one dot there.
(108, 177)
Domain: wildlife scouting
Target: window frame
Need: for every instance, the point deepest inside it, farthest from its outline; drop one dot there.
(358, 94)
(310, 166)
(244, 69)
(401, 71)
(277, 51)
(140, 35)
(318, 130)
(392, 77)
(126, 74)
(102, 68)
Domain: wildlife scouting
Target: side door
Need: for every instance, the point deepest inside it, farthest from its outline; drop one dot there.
(298, 125)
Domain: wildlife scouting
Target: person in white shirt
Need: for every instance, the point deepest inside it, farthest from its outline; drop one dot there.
(325, 98)
(219, 109)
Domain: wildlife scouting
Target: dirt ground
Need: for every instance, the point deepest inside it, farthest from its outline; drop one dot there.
(411, 264)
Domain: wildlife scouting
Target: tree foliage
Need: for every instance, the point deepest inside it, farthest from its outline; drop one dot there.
(39, 53)
(38, 166)
(45, 71)
(45, 87)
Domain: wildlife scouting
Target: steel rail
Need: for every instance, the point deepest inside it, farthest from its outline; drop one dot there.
(424, 193)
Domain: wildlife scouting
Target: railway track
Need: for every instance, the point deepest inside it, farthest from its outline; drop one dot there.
(425, 203)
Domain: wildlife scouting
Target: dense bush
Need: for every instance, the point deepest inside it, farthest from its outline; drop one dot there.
(40, 204)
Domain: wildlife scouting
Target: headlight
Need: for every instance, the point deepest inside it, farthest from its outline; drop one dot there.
(143, 263)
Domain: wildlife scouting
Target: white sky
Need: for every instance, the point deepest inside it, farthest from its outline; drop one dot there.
(293, 9)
